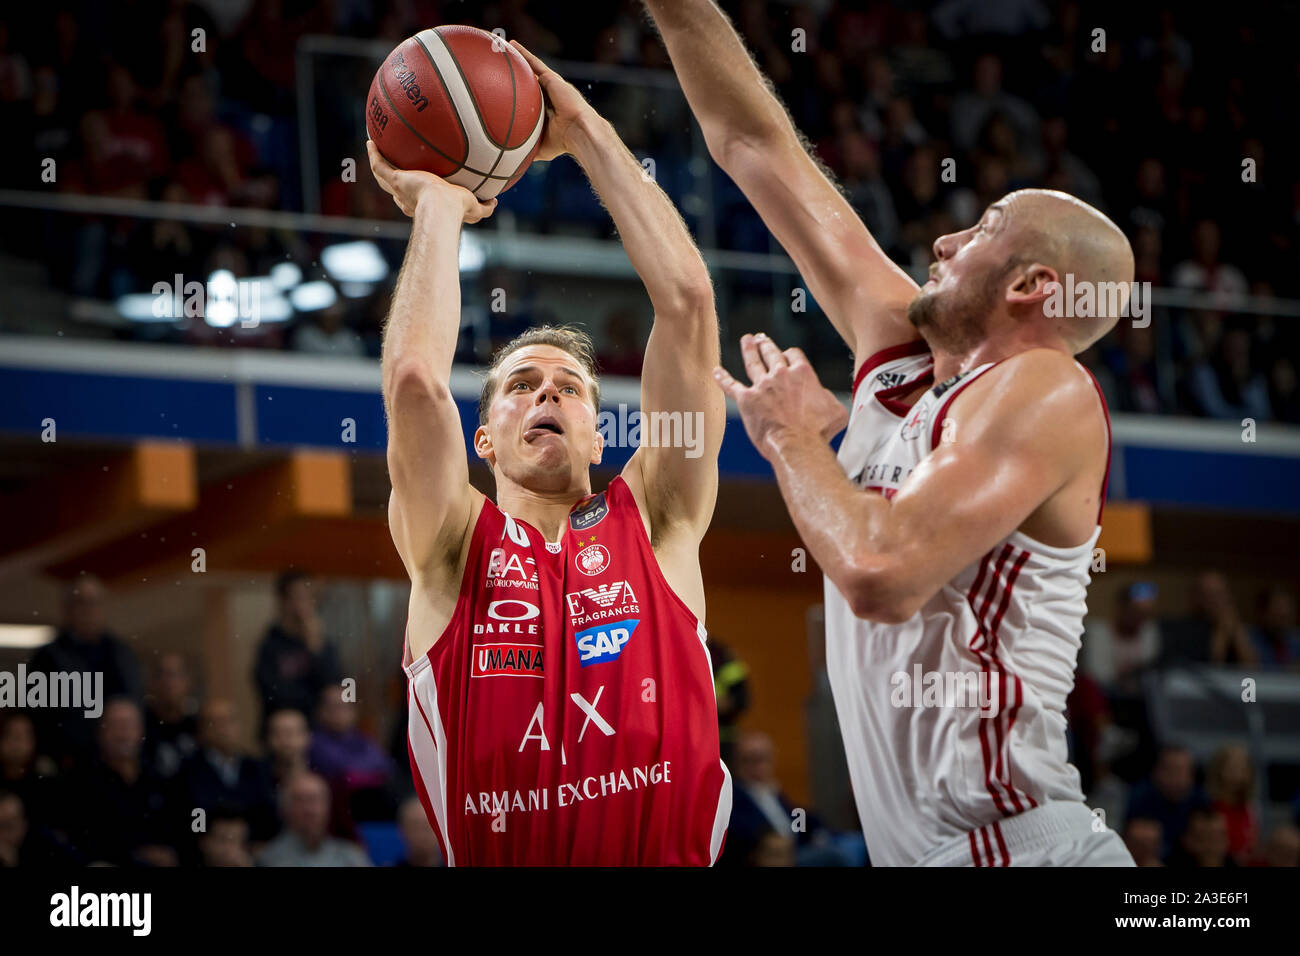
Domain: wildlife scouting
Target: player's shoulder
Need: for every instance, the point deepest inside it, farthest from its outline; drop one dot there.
(1036, 391)
(1043, 375)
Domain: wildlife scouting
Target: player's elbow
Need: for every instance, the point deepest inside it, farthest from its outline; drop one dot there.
(413, 384)
(739, 145)
(877, 592)
(691, 296)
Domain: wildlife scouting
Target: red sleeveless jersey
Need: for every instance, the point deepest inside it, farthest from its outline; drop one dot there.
(567, 714)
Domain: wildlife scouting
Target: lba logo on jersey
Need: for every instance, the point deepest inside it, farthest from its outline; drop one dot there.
(604, 642)
(592, 560)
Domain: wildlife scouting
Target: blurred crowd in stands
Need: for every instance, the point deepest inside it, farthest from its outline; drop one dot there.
(162, 777)
(1169, 810)
(1164, 116)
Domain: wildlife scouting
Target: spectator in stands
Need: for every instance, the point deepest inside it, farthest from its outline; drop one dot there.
(221, 777)
(771, 849)
(171, 727)
(30, 775)
(225, 843)
(1284, 391)
(1230, 785)
(83, 645)
(305, 839)
(325, 332)
(1169, 796)
(24, 845)
(620, 354)
(418, 839)
(356, 768)
(1143, 838)
(972, 110)
(118, 810)
(1204, 843)
(339, 751)
(1275, 637)
(1282, 847)
(1230, 384)
(760, 810)
(295, 661)
(1098, 742)
(731, 687)
(1118, 651)
(1204, 272)
(1213, 632)
(288, 739)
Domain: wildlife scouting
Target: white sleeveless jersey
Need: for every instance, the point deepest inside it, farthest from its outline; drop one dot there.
(954, 719)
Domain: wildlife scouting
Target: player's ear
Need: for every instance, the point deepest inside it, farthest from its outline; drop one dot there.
(1031, 284)
(483, 444)
(597, 448)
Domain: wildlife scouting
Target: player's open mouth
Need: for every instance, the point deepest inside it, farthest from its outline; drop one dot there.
(543, 426)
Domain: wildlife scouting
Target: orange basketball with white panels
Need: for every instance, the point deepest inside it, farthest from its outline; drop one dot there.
(459, 102)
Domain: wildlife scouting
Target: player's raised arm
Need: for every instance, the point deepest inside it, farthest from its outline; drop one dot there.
(678, 473)
(753, 139)
(1009, 457)
(430, 505)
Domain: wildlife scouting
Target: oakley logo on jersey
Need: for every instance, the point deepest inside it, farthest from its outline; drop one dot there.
(592, 560)
(510, 617)
(605, 642)
(507, 660)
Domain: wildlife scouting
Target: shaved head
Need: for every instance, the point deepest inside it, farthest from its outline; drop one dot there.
(1061, 232)
(1005, 278)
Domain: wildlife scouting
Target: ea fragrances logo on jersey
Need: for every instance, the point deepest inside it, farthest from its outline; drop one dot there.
(602, 602)
(605, 642)
(592, 560)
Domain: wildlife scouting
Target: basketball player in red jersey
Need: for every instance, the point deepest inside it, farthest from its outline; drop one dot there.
(956, 528)
(561, 697)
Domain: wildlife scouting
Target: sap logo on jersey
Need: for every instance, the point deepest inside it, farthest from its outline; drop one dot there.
(604, 643)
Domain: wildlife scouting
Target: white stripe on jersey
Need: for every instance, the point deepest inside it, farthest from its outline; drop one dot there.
(1008, 625)
(429, 743)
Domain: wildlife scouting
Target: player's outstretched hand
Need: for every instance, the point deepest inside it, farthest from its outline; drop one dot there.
(410, 187)
(564, 105)
(785, 394)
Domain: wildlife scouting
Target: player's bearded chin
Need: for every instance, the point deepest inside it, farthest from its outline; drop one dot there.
(954, 321)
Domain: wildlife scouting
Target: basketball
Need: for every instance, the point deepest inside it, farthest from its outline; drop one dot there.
(458, 102)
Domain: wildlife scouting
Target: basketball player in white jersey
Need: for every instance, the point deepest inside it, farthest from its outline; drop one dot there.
(956, 530)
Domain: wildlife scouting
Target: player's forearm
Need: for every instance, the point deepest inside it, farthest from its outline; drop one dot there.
(724, 87)
(845, 528)
(424, 319)
(656, 240)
